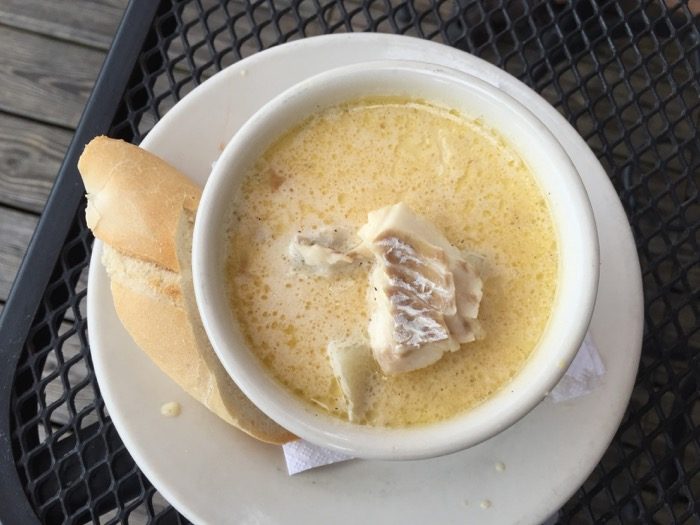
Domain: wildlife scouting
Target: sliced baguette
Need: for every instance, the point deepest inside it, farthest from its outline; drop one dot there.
(135, 200)
(143, 209)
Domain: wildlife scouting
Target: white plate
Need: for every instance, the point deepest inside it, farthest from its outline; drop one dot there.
(214, 474)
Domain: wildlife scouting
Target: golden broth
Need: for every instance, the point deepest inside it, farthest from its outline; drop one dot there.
(332, 170)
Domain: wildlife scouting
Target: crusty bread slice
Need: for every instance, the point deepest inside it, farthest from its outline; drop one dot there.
(135, 200)
(152, 287)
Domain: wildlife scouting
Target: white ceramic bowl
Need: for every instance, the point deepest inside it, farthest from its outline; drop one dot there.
(578, 268)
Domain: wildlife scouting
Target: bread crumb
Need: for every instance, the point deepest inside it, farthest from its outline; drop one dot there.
(485, 503)
(171, 409)
(500, 466)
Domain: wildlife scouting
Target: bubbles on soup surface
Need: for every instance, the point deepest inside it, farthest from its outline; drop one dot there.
(332, 170)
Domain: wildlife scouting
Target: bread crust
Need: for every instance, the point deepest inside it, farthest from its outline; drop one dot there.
(135, 200)
(163, 331)
(143, 209)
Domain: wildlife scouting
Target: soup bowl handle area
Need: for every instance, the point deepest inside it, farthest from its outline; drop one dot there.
(547, 160)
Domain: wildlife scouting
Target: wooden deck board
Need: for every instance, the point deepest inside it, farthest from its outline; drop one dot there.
(30, 156)
(16, 229)
(44, 85)
(88, 22)
(46, 81)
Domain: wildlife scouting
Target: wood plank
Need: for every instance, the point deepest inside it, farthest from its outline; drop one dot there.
(30, 156)
(16, 230)
(46, 80)
(88, 22)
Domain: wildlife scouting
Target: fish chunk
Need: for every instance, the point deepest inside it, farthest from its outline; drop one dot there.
(325, 252)
(425, 293)
(355, 370)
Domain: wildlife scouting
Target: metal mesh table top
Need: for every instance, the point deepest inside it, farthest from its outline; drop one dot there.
(625, 74)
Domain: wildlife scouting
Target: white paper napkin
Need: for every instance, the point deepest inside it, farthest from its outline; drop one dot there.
(301, 455)
(582, 376)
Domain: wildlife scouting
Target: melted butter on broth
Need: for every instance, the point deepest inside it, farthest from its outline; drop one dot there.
(332, 170)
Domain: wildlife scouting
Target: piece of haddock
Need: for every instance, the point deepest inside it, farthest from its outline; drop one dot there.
(425, 293)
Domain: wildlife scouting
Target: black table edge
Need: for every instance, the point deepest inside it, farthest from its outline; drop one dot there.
(48, 239)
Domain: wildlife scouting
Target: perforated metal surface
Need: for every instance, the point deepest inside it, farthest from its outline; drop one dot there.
(625, 74)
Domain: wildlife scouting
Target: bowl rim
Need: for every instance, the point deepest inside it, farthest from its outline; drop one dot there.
(296, 415)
